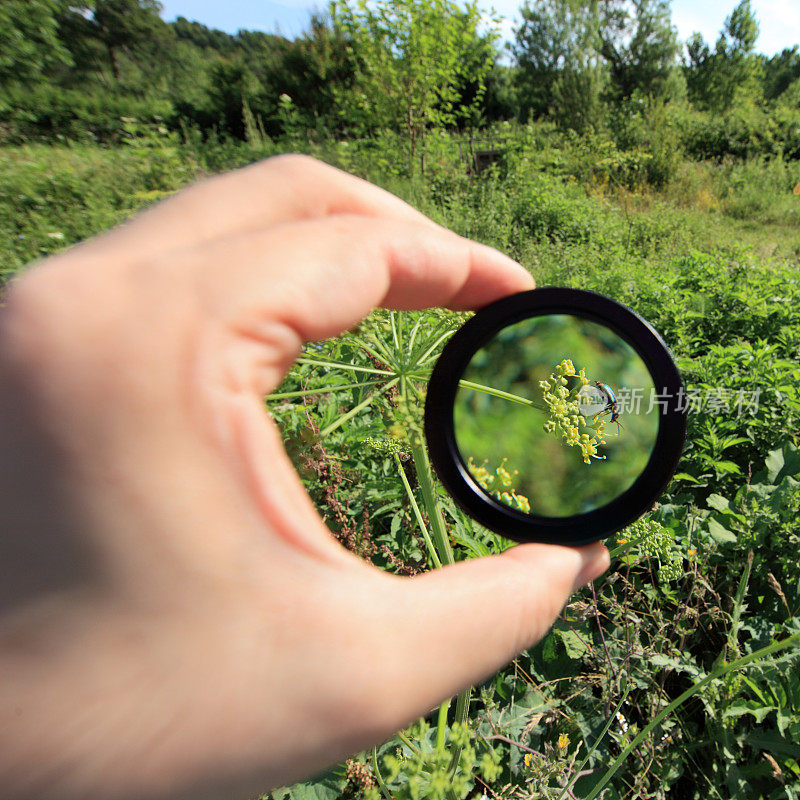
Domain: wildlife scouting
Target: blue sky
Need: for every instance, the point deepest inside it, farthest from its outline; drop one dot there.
(780, 19)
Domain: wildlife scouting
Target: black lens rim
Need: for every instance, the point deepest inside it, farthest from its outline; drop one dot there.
(581, 528)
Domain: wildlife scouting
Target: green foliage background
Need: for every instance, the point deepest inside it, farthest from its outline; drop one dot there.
(675, 675)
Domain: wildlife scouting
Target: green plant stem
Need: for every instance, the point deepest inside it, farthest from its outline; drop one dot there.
(514, 398)
(425, 477)
(417, 513)
(379, 351)
(322, 390)
(597, 741)
(462, 711)
(433, 351)
(315, 362)
(378, 777)
(479, 387)
(395, 334)
(355, 410)
(733, 635)
(408, 743)
(413, 338)
(441, 724)
(719, 672)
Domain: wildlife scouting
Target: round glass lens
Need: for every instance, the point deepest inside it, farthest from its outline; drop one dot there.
(556, 416)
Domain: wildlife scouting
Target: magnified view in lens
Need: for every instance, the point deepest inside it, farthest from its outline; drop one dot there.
(556, 416)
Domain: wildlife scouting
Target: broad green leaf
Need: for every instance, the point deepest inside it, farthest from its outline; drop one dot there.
(782, 462)
(726, 467)
(718, 502)
(748, 707)
(326, 787)
(720, 533)
(549, 648)
(576, 646)
(773, 743)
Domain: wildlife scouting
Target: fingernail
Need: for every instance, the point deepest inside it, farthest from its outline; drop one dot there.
(596, 563)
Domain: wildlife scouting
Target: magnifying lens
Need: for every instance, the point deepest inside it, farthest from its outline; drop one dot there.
(556, 416)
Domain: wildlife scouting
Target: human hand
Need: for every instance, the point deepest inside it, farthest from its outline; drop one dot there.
(175, 619)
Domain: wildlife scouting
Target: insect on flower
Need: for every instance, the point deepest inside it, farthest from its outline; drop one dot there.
(612, 403)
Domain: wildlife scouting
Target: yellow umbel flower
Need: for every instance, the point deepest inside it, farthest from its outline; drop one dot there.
(565, 418)
(498, 484)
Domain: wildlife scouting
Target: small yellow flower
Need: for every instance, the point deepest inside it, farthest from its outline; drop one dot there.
(527, 759)
(498, 484)
(564, 415)
(563, 741)
(691, 553)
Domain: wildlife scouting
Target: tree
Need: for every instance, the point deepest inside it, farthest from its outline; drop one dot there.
(29, 43)
(406, 58)
(203, 37)
(639, 44)
(313, 70)
(781, 71)
(76, 30)
(715, 78)
(128, 25)
(232, 88)
(557, 52)
(500, 101)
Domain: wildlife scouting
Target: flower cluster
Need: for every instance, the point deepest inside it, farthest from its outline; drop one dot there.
(565, 418)
(654, 541)
(359, 777)
(426, 771)
(387, 446)
(498, 484)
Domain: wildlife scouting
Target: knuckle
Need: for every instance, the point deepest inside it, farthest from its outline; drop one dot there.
(298, 161)
(295, 166)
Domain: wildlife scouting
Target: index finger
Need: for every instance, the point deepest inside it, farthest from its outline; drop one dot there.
(287, 188)
(317, 279)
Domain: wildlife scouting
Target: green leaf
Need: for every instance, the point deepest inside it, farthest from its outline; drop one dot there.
(748, 707)
(718, 502)
(327, 787)
(773, 743)
(729, 467)
(549, 648)
(782, 462)
(685, 476)
(719, 533)
(576, 646)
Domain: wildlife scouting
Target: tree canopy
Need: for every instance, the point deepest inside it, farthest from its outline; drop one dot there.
(365, 65)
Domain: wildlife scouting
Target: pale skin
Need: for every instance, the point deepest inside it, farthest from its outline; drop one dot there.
(176, 621)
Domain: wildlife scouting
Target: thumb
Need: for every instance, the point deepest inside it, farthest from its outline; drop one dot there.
(465, 621)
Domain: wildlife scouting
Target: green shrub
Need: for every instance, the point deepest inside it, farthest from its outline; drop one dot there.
(51, 113)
